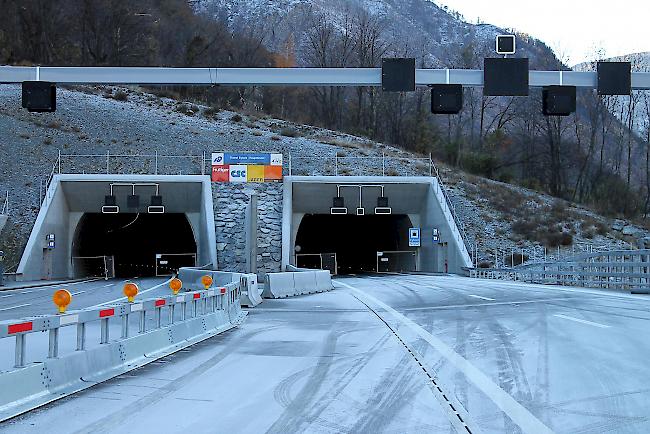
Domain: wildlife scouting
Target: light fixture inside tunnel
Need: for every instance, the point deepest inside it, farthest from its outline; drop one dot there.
(156, 206)
(382, 206)
(110, 205)
(133, 201)
(338, 206)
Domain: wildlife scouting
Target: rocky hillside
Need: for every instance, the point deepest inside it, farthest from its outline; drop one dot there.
(418, 28)
(497, 217)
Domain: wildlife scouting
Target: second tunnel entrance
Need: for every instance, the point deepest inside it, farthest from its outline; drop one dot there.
(355, 241)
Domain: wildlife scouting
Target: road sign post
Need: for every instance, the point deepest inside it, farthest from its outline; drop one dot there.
(2, 267)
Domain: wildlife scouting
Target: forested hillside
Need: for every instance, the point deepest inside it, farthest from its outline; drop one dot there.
(598, 157)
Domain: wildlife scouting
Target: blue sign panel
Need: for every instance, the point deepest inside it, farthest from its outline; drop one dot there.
(414, 237)
(263, 159)
(253, 158)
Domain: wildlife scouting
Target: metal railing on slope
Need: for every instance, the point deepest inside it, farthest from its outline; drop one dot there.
(452, 208)
(116, 164)
(5, 206)
(617, 269)
(336, 165)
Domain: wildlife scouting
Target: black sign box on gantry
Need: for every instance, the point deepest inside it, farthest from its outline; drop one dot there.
(39, 96)
(558, 100)
(614, 78)
(505, 77)
(446, 99)
(398, 75)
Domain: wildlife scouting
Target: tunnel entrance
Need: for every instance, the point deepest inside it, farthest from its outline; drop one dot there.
(139, 245)
(356, 241)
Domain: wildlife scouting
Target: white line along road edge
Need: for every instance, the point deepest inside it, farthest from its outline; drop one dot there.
(515, 411)
(140, 293)
(583, 321)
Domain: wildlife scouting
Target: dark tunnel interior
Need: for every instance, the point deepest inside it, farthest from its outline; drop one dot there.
(141, 244)
(355, 240)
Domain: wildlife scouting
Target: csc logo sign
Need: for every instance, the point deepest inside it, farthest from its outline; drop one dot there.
(238, 173)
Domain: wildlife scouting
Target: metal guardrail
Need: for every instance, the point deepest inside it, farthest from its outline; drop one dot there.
(509, 258)
(179, 308)
(452, 208)
(619, 269)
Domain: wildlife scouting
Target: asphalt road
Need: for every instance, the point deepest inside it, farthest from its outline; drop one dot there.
(21, 303)
(396, 354)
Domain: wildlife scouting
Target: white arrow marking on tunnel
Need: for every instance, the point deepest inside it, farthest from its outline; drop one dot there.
(515, 411)
(482, 298)
(583, 321)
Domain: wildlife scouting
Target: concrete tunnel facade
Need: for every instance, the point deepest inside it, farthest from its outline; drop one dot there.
(71, 212)
(139, 242)
(360, 241)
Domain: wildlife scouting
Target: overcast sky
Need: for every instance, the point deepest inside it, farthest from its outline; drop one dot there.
(573, 28)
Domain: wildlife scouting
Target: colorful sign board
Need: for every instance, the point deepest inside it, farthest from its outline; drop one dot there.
(246, 167)
(265, 159)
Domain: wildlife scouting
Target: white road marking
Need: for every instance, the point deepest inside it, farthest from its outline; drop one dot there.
(77, 293)
(482, 298)
(583, 321)
(515, 411)
(498, 303)
(15, 307)
(5, 296)
(48, 287)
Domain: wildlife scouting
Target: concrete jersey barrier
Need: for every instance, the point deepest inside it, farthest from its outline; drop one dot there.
(203, 314)
(250, 293)
(291, 284)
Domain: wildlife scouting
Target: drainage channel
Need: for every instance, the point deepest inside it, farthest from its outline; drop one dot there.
(453, 409)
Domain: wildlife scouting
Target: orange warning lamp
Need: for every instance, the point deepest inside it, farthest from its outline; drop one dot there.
(62, 299)
(176, 284)
(206, 281)
(130, 291)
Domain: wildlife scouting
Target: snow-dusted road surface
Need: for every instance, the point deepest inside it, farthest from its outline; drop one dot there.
(396, 354)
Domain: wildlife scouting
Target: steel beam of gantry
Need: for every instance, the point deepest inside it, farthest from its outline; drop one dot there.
(283, 76)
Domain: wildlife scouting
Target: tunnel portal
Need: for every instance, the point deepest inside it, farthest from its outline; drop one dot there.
(138, 245)
(356, 241)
